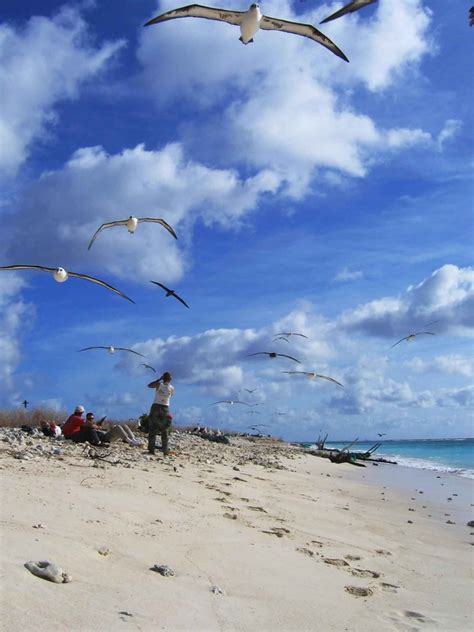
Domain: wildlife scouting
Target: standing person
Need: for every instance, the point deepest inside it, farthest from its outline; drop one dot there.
(160, 418)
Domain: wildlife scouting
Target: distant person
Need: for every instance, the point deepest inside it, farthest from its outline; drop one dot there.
(116, 431)
(78, 431)
(45, 429)
(55, 429)
(159, 417)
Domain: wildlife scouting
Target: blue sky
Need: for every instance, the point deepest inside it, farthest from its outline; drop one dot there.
(308, 195)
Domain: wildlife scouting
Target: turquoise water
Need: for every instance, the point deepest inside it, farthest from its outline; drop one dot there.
(443, 455)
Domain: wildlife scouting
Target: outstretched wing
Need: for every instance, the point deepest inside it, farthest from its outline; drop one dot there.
(283, 355)
(89, 348)
(258, 353)
(399, 341)
(99, 282)
(305, 30)
(302, 335)
(280, 338)
(349, 8)
(27, 267)
(199, 11)
(130, 351)
(121, 222)
(425, 333)
(331, 379)
(180, 300)
(158, 220)
(296, 372)
(149, 367)
(161, 285)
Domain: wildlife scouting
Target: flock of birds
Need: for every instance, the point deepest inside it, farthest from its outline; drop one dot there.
(249, 22)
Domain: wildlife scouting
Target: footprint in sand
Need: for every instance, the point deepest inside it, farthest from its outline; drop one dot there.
(278, 531)
(389, 587)
(258, 509)
(336, 562)
(308, 552)
(230, 516)
(416, 616)
(382, 552)
(358, 591)
(315, 543)
(361, 572)
(353, 558)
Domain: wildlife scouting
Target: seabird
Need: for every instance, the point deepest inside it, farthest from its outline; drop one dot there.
(249, 22)
(313, 376)
(113, 350)
(248, 390)
(381, 434)
(471, 16)
(170, 292)
(60, 275)
(287, 334)
(411, 337)
(349, 8)
(229, 401)
(148, 367)
(132, 223)
(272, 354)
(280, 338)
(25, 403)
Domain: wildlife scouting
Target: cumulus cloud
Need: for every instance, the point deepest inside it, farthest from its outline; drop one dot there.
(348, 275)
(446, 298)
(452, 364)
(315, 125)
(42, 63)
(95, 187)
(16, 317)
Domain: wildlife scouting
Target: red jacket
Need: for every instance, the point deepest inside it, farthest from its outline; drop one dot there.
(72, 425)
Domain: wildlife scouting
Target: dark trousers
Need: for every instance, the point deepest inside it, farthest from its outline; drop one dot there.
(158, 423)
(86, 434)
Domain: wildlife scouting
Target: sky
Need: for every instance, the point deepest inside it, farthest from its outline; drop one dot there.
(309, 195)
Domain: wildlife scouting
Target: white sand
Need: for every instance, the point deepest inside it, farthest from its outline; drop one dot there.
(151, 514)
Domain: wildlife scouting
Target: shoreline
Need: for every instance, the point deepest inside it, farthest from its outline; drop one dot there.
(288, 539)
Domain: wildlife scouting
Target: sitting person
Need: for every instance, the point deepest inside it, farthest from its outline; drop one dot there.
(116, 431)
(76, 429)
(55, 429)
(45, 429)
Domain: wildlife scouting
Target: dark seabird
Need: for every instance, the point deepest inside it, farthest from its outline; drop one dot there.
(411, 337)
(349, 8)
(471, 16)
(273, 354)
(131, 223)
(148, 367)
(280, 338)
(287, 334)
(25, 403)
(113, 350)
(249, 22)
(60, 275)
(313, 376)
(170, 293)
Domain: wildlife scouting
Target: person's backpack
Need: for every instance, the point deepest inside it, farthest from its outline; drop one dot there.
(144, 423)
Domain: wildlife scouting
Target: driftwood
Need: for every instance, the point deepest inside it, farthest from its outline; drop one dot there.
(320, 441)
(344, 455)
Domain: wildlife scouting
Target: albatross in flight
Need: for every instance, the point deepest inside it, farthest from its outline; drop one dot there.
(230, 401)
(348, 8)
(250, 22)
(60, 275)
(113, 350)
(313, 376)
(132, 223)
(170, 293)
(273, 354)
(287, 334)
(411, 337)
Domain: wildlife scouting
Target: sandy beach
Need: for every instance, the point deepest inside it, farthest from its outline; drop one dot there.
(260, 536)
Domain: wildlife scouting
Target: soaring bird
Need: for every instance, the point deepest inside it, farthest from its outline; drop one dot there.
(471, 16)
(313, 376)
(229, 401)
(25, 403)
(249, 22)
(280, 338)
(273, 354)
(381, 434)
(60, 275)
(287, 334)
(411, 337)
(349, 8)
(148, 367)
(113, 350)
(248, 390)
(132, 223)
(170, 293)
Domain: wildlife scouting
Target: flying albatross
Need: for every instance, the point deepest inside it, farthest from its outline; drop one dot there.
(249, 22)
(287, 334)
(411, 337)
(132, 223)
(113, 350)
(313, 376)
(148, 366)
(273, 354)
(229, 401)
(348, 8)
(60, 275)
(170, 293)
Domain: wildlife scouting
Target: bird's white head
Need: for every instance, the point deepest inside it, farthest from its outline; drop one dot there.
(111, 350)
(132, 224)
(60, 275)
(254, 6)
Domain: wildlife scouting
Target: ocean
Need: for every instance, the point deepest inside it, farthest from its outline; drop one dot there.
(455, 456)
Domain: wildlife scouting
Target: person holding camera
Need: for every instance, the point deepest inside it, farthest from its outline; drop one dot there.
(159, 416)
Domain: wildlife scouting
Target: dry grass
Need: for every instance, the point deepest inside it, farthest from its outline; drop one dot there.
(15, 418)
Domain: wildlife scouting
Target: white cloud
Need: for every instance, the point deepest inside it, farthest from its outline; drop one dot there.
(95, 187)
(452, 364)
(348, 275)
(446, 297)
(41, 64)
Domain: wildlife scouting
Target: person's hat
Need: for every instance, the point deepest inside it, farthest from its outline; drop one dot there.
(80, 409)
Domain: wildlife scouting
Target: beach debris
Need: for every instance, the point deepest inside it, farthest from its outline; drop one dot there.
(39, 526)
(103, 551)
(410, 521)
(470, 523)
(125, 613)
(450, 522)
(48, 570)
(359, 591)
(164, 570)
(218, 591)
